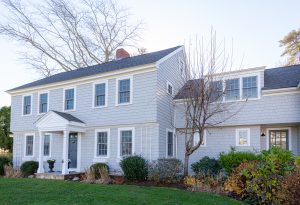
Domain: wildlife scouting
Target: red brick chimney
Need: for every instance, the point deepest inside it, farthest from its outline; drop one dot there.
(122, 53)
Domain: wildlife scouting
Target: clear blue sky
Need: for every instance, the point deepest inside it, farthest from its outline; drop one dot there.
(255, 26)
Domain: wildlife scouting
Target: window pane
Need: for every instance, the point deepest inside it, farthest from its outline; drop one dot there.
(250, 87)
(100, 94)
(124, 91)
(243, 137)
(232, 89)
(29, 145)
(43, 102)
(27, 105)
(216, 92)
(170, 89)
(46, 145)
(126, 143)
(69, 99)
(170, 144)
(102, 144)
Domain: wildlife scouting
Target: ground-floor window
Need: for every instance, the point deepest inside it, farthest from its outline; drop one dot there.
(243, 137)
(279, 138)
(197, 139)
(47, 145)
(126, 142)
(29, 145)
(170, 143)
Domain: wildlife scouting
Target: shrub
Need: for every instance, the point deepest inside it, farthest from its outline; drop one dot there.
(265, 180)
(236, 182)
(29, 168)
(165, 170)
(96, 169)
(289, 190)
(134, 168)
(206, 166)
(11, 173)
(3, 161)
(229, 161)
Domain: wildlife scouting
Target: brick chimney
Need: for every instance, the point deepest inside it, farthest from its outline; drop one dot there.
(121, 53)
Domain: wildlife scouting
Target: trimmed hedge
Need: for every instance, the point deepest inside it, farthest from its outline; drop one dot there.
(97, 167)
(29, 168)
(134, 168)
(229, 161)
(3, 161)
(206, 166)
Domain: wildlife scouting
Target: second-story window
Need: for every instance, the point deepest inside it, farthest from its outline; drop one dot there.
(232, 89)
(27, 105)
(43, 103)
(250, 87)
(69, 99)
(100, 95)
(124, 91)
(169, 88)
(216, 91)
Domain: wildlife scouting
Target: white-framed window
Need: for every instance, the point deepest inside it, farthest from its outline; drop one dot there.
(197, 139)
(100, 94)
(69, 99)
(43, 102)
(170, 140)
(216, 91)
(29, 145)
(47, 145)
(102, 141)
(232, 89)
(124, 90)
(170, 88)
(250, 88)
(242, 137)
(27, 105)
(126, 141)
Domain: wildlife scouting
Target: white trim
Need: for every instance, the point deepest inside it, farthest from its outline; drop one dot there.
(169, 130)
(38, 102)
(31, 105)
(89, 79)
(64, 93)
(130, 77)
(94, 92)
(289, 129)
(204, 139)
(281, 91)
(169, 55)
(79, 138)
(33, 145)
(119, 139)
(170, 84)
(237, 137)
(50, 146)
(96, 158)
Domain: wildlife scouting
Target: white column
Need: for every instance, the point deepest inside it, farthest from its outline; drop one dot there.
(65, 153)
(41, 154)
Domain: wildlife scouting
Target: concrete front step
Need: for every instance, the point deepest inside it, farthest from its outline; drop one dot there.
(57, 176)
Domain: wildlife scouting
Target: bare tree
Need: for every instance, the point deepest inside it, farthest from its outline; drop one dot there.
(60, 35)
(203, 91)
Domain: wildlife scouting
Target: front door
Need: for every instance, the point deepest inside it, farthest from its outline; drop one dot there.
(73, 150)
(279, 138)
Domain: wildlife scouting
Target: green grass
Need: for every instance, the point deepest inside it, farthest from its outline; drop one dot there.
(35, 191)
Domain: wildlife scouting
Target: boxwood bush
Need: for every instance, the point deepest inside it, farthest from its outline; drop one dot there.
(3, 161)
(97, 167)
(229, 161)
(29, 168)
(134, 168)
(206, 166)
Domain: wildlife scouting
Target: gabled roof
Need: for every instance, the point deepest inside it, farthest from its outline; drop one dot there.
(101, 68)
(282, 77)
(67, 116)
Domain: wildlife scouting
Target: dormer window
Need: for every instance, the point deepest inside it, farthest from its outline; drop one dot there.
(250, 87)
(232, 89)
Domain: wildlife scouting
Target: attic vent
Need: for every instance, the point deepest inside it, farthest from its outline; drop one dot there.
(121, 53)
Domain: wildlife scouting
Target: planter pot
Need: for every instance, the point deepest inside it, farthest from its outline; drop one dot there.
(51, 166)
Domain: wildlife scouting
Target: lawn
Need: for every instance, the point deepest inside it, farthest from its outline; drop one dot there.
(35, 191)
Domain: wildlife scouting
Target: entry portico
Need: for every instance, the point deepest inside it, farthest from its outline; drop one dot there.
(69, 127)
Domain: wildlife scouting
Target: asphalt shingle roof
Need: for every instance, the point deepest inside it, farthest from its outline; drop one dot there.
(282, 77)
(67, 116)
(102, 68)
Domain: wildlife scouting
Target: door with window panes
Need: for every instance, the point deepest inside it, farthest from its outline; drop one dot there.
(279, 138)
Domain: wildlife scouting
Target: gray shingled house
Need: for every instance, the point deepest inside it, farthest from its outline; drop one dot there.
(104, 112)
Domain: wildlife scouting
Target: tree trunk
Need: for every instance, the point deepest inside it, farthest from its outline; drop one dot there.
(186, 165)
